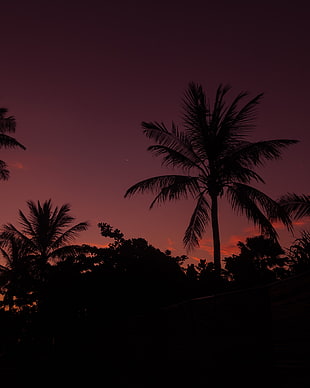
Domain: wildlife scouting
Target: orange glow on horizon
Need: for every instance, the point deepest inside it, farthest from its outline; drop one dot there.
(96, 245)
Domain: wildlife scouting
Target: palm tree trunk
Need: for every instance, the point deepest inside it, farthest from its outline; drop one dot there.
(216, 235)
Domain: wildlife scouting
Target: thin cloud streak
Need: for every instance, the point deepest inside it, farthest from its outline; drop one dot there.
(17, 166)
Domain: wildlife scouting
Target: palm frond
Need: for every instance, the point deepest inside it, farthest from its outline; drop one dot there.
(155, 184)
(160, 133)
(196, 120)
(65, 251)
(9, 142)
(166, 187)
(157, 131)
(219, 107)
(236, 123)
(7, 124)
(297, 206)
(13, 249)
(231, 170)
(9, 232)
(69, 235)
(4, 172)
(26, 224)
(179, 189)
(61, 217)
(173, 140)
(58, 220)
(195, 109)
(175, 158)
(199, 219)
(255, 154)
(258, 208)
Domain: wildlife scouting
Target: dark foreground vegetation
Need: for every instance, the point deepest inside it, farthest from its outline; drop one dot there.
(131, 314)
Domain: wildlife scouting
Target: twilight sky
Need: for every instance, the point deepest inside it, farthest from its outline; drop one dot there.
(80, 76)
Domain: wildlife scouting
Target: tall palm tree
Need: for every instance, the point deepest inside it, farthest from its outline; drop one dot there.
(45, 232)
(7, 125)
(216, 159)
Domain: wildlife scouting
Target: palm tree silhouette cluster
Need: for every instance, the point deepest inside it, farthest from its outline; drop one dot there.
(66, 301)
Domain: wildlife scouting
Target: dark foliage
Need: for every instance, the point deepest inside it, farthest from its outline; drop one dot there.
(261, 260)
(7, 125)
(299, 254)
(91, 304)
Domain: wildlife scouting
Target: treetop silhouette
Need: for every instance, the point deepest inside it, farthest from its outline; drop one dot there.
(44, 236)
(216, 158)
(45, 232)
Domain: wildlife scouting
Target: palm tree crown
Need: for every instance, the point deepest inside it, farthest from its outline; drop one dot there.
(7, 125)
(45, 232)
(216, 160)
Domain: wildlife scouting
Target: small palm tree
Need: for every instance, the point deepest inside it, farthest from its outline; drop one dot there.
(216, 160)
(45, 231)
(15, 273)
(7, 125)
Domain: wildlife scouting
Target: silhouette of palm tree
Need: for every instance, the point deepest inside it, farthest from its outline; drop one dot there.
(14, 273)
(217, 159)
(7, 125)
(298, 206)
(45, 231)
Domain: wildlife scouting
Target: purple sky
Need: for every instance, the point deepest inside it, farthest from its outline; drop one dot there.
(81, 76)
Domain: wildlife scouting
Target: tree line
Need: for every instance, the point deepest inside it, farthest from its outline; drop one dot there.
(39, 258)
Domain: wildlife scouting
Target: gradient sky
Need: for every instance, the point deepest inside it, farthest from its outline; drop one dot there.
(80, 76)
